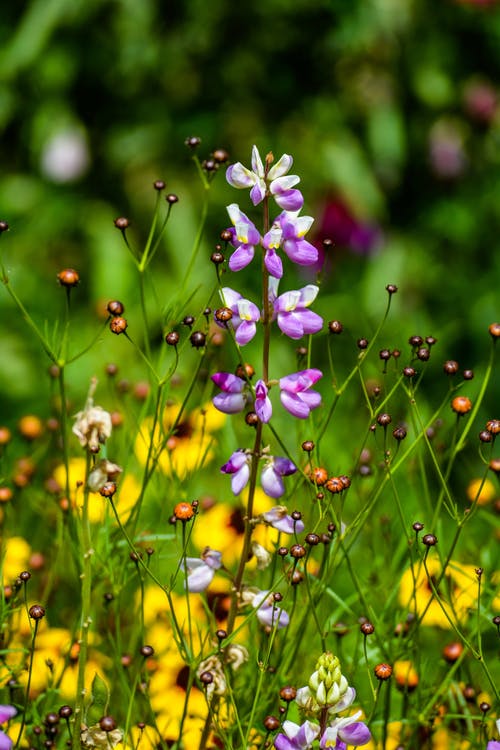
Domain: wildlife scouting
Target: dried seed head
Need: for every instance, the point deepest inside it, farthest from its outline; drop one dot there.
(118, 325)
(65, 712)
(452, 652)
(223, 314)
(391, 289)
(283, 551)
(115, 307)
(429, 540)
(107, 723)
(220, 155)
(313, 539)
(198, 339)
(494, 330)
(121, 223)
(383, 671)
(318, 476)
(159, 185)
(495, 465)
(384, 354)
(409, 372)
(451, 367)
(417, 526)
(147, 651)
(423, 353)
(485, 436)
(334, 485)
(68, 277)
(206, 678)
(172, 338)
(493, 426)
(461, 405)
(108, 489)
(384, 419)
(217, 258)
(172, 198)
(362, 343)
(183, 511)
(415, 341)
(308, 446)
(36, 612)
(468, 374)
(288, 693)
(367, 628)
(297, 551)
(192, 142)
(484, 707)
(245, 371)
(399, 433)
(335, 326)
(271, 723)
(4, 227)
(251, 419)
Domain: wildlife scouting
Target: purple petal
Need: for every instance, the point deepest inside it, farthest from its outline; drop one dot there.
(295, 405)
(273, 264)
(301, 252)
(300, 381)
(228, 382)
(6, 713)
(199, 576)
(311, 322)
(229, 403)
(5, 741)
(274, 617)
(257, 193)
(291, 325)
(240, 479)
(245, 332)
(283, 466)
(355, 734)
(290, 200)
(281, 742)
(271, 482)
(239, 176)
(236, 461)
(241, 257)
(263, 406)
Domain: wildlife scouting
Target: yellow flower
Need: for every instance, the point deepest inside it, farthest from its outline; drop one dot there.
(189, 447)
(487, 494)
(15, 552)
(125, 498)
(457, 592)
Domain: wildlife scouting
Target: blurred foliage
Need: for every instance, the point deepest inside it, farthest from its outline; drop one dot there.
(390, 109)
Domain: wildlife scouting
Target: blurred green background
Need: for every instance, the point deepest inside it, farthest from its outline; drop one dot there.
(389, 107)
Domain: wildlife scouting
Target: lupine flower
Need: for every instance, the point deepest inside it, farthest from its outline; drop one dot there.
(279, 518)
(6, 713)
(235, 393)
(293, 228)
(201, 570)
(494, 744)
(345, 731)
(296, 737)
(268, 613)
(272, 242)
(279, 186)
(239, 467)
(272, 475)
(245, 315)
(263, 406)
(244, 238)
(296, 394)
(290, 309)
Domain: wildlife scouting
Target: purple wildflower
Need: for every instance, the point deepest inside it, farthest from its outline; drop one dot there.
(6, 713)
(293, 228)
(272, 242)
(296, 737)
(201, 570)
(272, 475)
(244, 237)
(345, 731)
(296, 394)
(279, 518)
(280, 187)
(268, 613)
(263, 406)
(245, 315)
(235, 393)
(290, 308)
(239, 467)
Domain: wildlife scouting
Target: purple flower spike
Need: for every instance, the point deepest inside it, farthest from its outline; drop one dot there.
(279, 518)
(263, 406)
(239, 466)
(244, 237)
(201, 571)
(296, 394)
(245, 315)
(296, 737)
(272, 475)
(234, 396)
(294, 319)
(294, 228)
(347, 730)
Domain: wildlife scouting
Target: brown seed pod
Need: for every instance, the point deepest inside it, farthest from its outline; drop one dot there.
(118, 325)
(68, 277)
(461, 405)
(383, 671)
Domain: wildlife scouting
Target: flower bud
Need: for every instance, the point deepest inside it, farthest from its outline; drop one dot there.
(327, 683)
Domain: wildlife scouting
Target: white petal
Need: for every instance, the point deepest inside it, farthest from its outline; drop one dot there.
(281, 167)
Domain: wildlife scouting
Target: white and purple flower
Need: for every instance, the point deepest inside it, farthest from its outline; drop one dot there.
(238, 467)
(296, 394)
(200, 571)
(293, 228)
(290, 309)
(280, 186)
(244, 237)
(345, 731)
(263, 407)
(279, 518)
(245, 315)
(296, 737)
(268, 613)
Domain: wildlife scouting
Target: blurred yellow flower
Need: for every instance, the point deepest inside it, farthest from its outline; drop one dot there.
(457, 592)
(405, 675)
(486, 495)
(125, 498)
(15, 554)
(189, 447)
